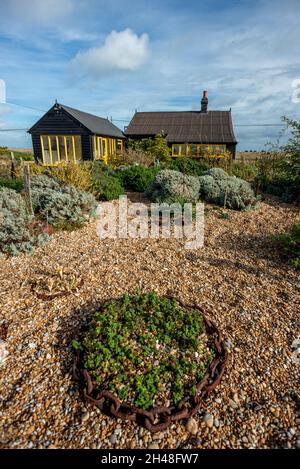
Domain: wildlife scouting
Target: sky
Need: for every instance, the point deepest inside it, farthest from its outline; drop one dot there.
(113, 57)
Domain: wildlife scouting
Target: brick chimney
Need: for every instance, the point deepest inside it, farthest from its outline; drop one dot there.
(204, 102)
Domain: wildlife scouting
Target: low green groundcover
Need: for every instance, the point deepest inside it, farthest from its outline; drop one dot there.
(146, 349)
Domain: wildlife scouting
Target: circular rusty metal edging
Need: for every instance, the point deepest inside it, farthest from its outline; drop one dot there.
(158, 418)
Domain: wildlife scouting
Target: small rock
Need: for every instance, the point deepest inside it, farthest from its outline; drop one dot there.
(84, 417)
(298, 444)
(113, 439)
(216, 423)
(118, 431)
(30, 430)
(233, 404)
(292, 431)
(153, 446)
(158, 436)
(209, 420)
(227, 343)
(192, 426)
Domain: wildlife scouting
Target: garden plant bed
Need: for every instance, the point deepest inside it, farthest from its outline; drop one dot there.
(151, 358)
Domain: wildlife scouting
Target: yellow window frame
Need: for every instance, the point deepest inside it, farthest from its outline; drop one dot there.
(59, 162)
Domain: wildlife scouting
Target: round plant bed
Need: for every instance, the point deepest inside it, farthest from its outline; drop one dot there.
(149, 359)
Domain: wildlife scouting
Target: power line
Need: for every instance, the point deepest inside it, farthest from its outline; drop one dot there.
(12, 130)
(22, 105)
(258, 125)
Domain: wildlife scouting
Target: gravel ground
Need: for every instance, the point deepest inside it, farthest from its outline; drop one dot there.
(238, 277)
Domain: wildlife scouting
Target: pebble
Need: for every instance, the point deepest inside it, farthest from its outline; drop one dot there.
(233, 404)
(209, 420)
(153, 446)
(192, 426)
(113, 439)
(84, 417)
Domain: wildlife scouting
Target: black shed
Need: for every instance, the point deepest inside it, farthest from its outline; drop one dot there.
(66, 135)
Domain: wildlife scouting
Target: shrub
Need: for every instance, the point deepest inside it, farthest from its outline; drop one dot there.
(186, 166)
(290, 243)
(217, 187)
(137, 156)
(172, 186)
(216, 173)
(246, 171)
(78, 175)
(64, 207)
(15, 184)
(15, 233)
(157, 148)
(136, 178)
(107, 187)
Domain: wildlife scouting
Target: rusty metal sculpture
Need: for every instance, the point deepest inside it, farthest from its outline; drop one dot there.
(158, 418)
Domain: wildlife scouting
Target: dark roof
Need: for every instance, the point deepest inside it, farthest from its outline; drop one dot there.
(184, 126)
(97, 125)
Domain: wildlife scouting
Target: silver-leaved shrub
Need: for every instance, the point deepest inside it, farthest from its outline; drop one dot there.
(15, 233)
(171, 186)
(217, 187)
(61, 205)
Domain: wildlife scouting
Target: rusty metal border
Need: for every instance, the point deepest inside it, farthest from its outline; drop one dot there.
(158, 418)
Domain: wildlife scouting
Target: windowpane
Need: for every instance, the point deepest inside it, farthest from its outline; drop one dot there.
(78, 147)
(183, 150)
(175, 150)
(54, 150)
(70, 149)
(119, 146)
(46, 150)
(62, 151)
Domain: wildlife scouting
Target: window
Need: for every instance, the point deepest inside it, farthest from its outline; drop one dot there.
(183, 150)
(175, 150)
(119, 146)
(60, 149)
(78, 148)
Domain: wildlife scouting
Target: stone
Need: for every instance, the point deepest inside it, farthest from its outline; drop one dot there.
(84, 417)
(208, 419)
(192, 426)
(233, 404)
(153, 446)
(158, 436)
(113, 439)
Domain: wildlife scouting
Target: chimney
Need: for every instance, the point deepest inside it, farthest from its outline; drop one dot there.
(204, 102)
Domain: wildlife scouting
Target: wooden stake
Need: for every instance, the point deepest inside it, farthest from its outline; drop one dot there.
(27, 188)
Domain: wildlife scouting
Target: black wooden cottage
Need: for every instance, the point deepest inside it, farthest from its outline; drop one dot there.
(188, 133)
(66, 135)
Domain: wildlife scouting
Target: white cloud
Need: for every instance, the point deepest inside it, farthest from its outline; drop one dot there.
(122, 50)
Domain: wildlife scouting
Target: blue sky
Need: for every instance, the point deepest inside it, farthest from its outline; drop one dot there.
(110, 58)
